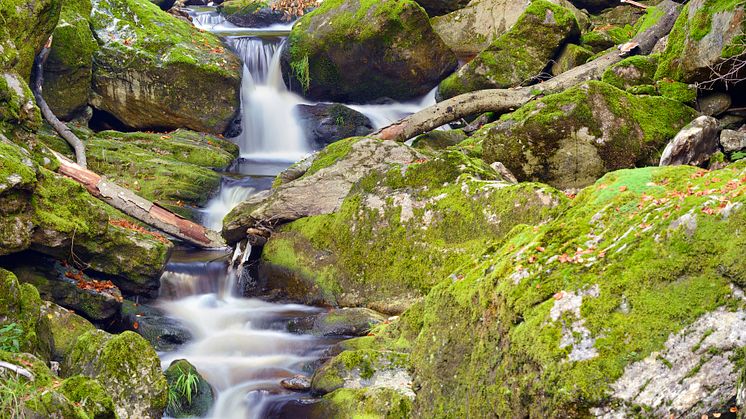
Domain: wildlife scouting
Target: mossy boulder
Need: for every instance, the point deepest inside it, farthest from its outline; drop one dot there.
(399, 232)
(26, 25)
(518, 56)
(69, 68)
(126, 366)
(363, 403)
(707, 34)
(338, 322)
(65, 326)
(155, 71)
(18, 111)
(21, 304)
(632, 71)
(624, 304)
(47, 395)
(361, 50)
(363, 368)
(570, 139)
(252, 13)
(572, 55)
(325, 123)
(439, 140)
(17, 180)
(199, 400)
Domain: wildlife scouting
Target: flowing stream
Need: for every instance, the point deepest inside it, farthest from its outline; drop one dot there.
(241, 345)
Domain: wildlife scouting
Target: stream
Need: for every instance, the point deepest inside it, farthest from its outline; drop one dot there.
(241, 345)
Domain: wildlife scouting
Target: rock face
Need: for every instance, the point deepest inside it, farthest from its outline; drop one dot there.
(154, 71)
(517, 56)
(694, 144)
(422, 221)
(351, 51)
(163, 332)
(706, 35)
(21, 304)
(732, 140)
(326, 123)
(251, 13)
(26, 26)
(126, 366)
(66, 327)
(570, 139)
(200, 399)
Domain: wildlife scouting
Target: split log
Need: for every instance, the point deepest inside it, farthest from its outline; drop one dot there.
(506, 100)
(140, 208)
(47, 113)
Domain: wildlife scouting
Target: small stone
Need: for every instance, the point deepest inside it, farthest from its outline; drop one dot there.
(732, 140)
(714, 104)
(296, 383)
(694, 144)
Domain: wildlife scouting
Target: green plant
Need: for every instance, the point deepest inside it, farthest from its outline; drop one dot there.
(12, 393)
(340, 120)
(184, 386)
(301, 72)
(10, 336)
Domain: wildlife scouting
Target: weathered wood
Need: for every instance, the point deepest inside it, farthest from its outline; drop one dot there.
(47, 113)
(506, 100)
(140, 208)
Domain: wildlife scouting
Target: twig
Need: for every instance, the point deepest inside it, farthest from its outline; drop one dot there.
(634, 3)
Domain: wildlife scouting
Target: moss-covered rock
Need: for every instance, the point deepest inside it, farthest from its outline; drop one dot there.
(26, 25)
(572, 138)
(338, 322)
(69, 68)
(519, 55)
(363, 403)
(363, 368)
(198, 400)
(21, 304)
(126, 366)
(155, 71)
(632, 71)
(622, 304)
(48, 396)
(252, 13)
(17, 180)
(65, 326)
(18, 111)
(416, 224)
(706, 35)
(572, 55)
(361, 50)
(439, 140)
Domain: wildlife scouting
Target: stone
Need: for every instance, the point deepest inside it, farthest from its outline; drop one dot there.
(21, 304)
(694, 144)
(126, 366)
(296, 383)
(201, 399)
(26, 27)
(439, 140)
(251, 13)
(325, 123)
(163, 332)
(363, 368)
(440, 7)
(732, 140)
(714, 104)
(353, 52)
(519, 55)
(571, 56)
(339, 322)
(632, 71)
(66, 327)
(17, 181)
(154, 71)
(571, 139)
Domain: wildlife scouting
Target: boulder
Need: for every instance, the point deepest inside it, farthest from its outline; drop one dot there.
(571, 56)
(69, 67)
(363, 368)
(439, 140)
(422, 221)
(694, 144)
(340, 322)
(351, 51)
(187, 402)
(19, 115)
(126, 366)
(571, 139)
(17, 181)
(706, 35)
(66, 327)
(714, 104)
(252, 13)
(732, 140)
(325, 123)
(27, 25)
(368, 402)
(440, 7)
(518, 56)
(154, 71)
(20, 305)
(297, 382)
(163, 332)
(632, 71)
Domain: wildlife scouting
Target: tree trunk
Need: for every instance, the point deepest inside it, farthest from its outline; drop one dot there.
(58, 126)
(137, 207)
(505, 100)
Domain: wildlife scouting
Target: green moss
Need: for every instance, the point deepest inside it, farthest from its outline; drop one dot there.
(632, 71)
(24, 28)
(242, 7)
(20, 304)
(65, 327)
(677, 91)
(365, 404)
(331, 154)
(652, 16)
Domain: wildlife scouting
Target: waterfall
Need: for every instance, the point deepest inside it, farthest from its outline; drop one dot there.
(231, 194)
(208, 20)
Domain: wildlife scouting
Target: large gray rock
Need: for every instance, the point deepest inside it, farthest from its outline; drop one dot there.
(340, 322)
(694, 144)
(325, 123)
(714, 103)
(732, 140)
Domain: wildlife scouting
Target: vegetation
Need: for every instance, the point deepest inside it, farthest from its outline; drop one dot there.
(10, 335)
(181, 388)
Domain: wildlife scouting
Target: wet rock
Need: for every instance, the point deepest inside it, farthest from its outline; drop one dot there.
(200, 399)
(150, 75)
(295, 171)
(325, 123)
(163, 332)
(517, 56)
(732, 140)
(714, 104)
(571, 139)
(251, 13)
(402, 58)
(341, 322)
(296, 383)
(694, 144)
(126, 366)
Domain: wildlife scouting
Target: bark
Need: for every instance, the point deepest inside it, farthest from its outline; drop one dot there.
(58, 126)
(506, 100)
(140, 208)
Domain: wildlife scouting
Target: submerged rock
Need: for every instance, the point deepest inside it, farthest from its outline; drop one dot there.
(350, 51)
(694, 144)
(340, 322)
(200, 398)
(570, 139)
(296, 383)
(325, 123)
(163, 332)
(154, 71)
(518, 56)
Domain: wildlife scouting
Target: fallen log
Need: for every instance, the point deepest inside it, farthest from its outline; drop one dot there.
(47, 113)
(140, 208)
(506, 100)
